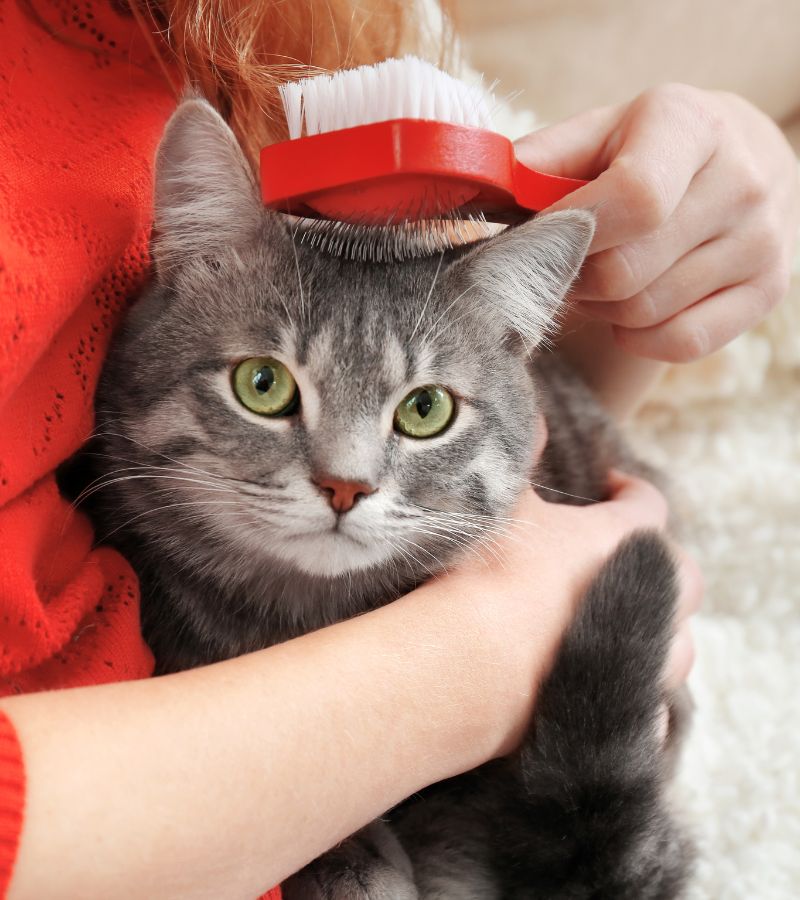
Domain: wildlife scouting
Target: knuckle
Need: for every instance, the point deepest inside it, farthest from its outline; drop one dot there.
(767, 241)
(753, 183)
(671, 93)
(688, 343)
(615, 275)
(639, 311)
(689, 106)
(643, 194)
(772, 288)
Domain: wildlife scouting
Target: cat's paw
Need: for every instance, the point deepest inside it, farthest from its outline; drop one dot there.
(371, 865)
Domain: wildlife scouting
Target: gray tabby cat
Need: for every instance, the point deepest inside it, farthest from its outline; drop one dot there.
(288, 438)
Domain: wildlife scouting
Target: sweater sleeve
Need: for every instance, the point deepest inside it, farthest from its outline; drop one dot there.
(12, 799)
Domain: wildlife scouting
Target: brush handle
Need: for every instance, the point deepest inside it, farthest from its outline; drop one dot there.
(405, 170)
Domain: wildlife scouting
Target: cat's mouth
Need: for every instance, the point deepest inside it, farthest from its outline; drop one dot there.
(338, 533)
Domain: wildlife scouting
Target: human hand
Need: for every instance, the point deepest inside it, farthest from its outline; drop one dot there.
(698, 205)
(525, 615)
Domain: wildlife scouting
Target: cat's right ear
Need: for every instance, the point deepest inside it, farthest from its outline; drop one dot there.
(206, 198)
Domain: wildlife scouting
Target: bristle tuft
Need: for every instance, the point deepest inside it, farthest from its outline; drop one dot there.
(407, 88)
(392, 243)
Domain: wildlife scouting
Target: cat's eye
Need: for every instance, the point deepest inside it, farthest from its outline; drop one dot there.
(265, 386)
(424, 412)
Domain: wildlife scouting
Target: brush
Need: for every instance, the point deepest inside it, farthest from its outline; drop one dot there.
(378, 155)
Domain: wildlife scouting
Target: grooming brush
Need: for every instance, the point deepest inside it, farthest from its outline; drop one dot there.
(392, 146)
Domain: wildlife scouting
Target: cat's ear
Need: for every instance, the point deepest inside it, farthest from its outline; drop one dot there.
(523, 275)
(205, 196)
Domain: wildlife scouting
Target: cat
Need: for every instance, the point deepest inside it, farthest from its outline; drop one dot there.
(287, 438)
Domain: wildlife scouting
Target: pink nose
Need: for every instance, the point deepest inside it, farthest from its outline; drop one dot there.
(343, 495)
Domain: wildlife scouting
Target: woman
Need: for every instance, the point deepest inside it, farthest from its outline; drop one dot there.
(200, 784)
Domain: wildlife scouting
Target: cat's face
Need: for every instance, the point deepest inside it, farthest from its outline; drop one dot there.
(315, 413)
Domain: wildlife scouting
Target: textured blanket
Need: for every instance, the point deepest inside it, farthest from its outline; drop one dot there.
(728, 431)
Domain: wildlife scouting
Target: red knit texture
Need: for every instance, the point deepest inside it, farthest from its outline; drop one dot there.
(12, 797)
(83, 105)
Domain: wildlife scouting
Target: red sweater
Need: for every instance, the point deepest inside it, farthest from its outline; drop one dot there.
(83, 105)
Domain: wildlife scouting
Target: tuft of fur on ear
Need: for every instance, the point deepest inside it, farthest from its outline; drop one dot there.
(525, 272)
(205, 196)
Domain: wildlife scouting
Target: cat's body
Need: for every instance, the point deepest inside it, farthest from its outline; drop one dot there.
(237, 543)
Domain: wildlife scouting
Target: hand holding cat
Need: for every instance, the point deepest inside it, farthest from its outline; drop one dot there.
(698, 205)
(565, 546)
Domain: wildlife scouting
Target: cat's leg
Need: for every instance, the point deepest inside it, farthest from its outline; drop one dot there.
(370, 865)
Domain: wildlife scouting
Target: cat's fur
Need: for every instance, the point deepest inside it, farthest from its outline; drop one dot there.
(236, 548)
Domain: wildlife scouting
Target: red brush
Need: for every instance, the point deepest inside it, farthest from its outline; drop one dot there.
(399, 142)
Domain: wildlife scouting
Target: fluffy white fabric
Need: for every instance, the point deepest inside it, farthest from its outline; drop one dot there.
(728, 431)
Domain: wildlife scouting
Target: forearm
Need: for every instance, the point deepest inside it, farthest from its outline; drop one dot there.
(222, 781)
(620, 380)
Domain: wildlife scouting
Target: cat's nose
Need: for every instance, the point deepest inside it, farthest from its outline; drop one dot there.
(343, 495)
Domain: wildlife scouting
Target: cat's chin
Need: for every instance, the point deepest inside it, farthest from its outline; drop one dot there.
(333, 553)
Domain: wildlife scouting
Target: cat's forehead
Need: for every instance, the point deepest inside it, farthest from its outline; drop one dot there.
(332, 316)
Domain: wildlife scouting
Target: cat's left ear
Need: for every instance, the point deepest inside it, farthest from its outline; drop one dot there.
(206, 199)
(523, 275)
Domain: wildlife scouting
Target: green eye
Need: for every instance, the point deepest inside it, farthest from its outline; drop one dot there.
(424, 412)
(265, 386)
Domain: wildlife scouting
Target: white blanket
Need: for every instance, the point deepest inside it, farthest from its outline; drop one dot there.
(727, 429)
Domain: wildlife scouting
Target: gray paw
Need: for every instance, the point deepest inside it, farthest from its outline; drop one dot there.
(371, 865)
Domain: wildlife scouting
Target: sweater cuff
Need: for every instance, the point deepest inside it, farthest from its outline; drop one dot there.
(12, 800)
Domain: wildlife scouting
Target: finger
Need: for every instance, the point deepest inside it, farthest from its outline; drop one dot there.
(696, 275)
(639, 501)
(680, 659)
(573, 148)
(709, 324)
(663, 144)
(623, 271)
(691, 584)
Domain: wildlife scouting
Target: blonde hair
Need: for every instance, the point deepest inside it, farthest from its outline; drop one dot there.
(236, 52)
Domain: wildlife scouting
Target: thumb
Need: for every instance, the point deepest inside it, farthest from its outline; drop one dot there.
(574, 148)
(639, 501)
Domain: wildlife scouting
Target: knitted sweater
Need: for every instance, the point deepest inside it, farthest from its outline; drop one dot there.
(83, 105)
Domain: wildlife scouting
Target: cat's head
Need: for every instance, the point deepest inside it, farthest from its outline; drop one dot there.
(316, 413)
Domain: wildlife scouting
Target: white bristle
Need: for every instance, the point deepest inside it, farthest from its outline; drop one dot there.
(292, 98)
(391, 243)
(407, 88)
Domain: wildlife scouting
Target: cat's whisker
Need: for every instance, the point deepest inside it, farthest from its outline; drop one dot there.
(484, 537)
(464, 540)
(299, 278)
(156, 509)
(501, 520)
(235, 484)
(444, 535)
(447, 309)
(281, 298)
(413, 562)
(545, 487)
(427, 299)
(107, 481)
(152, 450)
(478, 530)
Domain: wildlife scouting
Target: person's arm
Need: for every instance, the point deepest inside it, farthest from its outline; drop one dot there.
(698, 203)
(222, 781)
